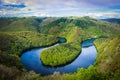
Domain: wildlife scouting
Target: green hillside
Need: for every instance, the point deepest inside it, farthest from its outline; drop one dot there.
(12, 44)
(74, 30)
(20, 34)
(106, 67)
(108, 54)
(20, 24)
(58, 25)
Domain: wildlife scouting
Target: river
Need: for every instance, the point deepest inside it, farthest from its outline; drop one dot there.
(31, 60)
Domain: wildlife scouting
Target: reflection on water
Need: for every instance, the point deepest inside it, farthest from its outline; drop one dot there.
(31, 60)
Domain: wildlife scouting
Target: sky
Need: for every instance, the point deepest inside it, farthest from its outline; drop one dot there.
(60, 8)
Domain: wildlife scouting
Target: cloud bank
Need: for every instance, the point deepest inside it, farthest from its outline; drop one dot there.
(93, 8)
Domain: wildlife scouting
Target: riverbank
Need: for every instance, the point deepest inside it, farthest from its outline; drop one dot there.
(61, 54)
(18, 34)
(31, 58)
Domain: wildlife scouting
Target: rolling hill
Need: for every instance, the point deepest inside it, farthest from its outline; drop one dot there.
(20, 34)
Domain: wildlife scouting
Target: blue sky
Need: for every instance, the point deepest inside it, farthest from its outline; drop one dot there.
(58, 8)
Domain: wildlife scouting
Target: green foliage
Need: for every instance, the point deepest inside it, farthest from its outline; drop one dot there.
(116, 75)
(61, 54)
(12, 44)
(4, 22)
(29, 76)
(108, 54)
(88, 74)
(12, 73)
(19, 34)
(16, 42)
(81, 74)
(11, 60)
(7, 73)
(20, 24)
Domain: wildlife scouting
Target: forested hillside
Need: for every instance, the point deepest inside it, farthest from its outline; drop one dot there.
(20, 34)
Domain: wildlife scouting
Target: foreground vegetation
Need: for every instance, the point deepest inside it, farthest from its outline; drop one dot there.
(12, 44)
(16, 36)
(108, 54)
(105, 68)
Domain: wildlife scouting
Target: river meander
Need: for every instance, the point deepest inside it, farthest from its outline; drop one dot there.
(31, 60)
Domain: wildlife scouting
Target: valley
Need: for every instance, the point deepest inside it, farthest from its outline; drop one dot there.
(18, 35)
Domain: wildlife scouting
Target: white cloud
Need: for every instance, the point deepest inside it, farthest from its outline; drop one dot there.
(60, 8)
(13, 1)
(108, 14)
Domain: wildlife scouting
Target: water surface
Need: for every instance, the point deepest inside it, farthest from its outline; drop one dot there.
(31, 60)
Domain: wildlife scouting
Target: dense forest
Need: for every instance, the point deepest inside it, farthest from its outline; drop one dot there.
(20, 34)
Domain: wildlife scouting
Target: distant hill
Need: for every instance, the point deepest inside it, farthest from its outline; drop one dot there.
(113, 20)
(88, 25)
(20, 24)
(59, 25)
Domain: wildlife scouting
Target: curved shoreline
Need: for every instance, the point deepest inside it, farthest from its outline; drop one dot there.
(61, 65)
(31, 60)
(44, 46)
(56, 56)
